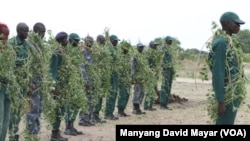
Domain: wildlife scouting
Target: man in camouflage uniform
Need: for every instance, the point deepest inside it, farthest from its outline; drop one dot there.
(85, 117)
(138, 86)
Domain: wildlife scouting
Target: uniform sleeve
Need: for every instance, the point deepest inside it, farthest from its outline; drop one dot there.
(133, 67)
(83, 66)
(54, 67)
(84, 73)
(218, 70)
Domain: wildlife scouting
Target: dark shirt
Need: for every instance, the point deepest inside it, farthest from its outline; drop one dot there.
(224, 66)
(167, 58)
(21, 47)
(56, 62)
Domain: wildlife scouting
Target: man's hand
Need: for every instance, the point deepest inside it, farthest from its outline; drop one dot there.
(32, 86)
(88, 86)
(55, 93)
(221, 108)
(133, 82)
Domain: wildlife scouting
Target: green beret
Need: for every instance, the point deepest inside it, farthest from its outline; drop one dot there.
(114, 37)
(168, 38)
(74, 36)
(153, 43)
(231, 16)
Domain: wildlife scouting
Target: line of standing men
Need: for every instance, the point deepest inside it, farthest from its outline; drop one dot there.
(29, 86)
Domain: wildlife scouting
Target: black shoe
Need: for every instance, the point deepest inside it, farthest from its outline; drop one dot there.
(70, 132)
(138, 112)
(98, 120)
(111, 117)
(86, 123)
(166, 108)
(78, 132)
(122, 114)
(14, 138)
(150, 109)
(57, 137)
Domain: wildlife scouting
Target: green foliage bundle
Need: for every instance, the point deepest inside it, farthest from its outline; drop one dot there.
(124, 62)
(7, 68)
(173, 63)
(41, 53)
(144, 75)
(155, 57)
(70, 83)
(101, 66)
(93, 75)
(19, 87)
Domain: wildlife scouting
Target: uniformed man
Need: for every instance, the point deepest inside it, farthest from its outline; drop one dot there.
(168, 73)
(138, 84)
(21, 46)
(111, 97)
(228, 78)
(6, 76)
(70, 112)
(103, 65)
(124, 73)
(36, 104)
(154, 61)
(56, 64)
(89, 80)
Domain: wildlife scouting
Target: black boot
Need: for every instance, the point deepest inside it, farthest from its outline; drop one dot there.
(97, 119)
(137, 109)
(56, 136)
(121, 113)
(14, 137)
(157, 101)
(69, 129)
(75, 130)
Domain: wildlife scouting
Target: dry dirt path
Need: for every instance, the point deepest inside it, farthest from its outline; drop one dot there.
(190, 112)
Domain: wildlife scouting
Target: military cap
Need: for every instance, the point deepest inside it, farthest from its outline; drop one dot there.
(114, 37)
(168, 38)
(74, 36)
(152, 43)
(231, 16)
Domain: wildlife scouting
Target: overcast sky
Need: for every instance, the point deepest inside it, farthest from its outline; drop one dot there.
(135, 20)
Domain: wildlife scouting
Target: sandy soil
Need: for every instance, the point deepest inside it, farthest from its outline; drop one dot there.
(190, 112)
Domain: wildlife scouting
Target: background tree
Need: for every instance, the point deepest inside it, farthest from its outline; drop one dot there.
(243, 37)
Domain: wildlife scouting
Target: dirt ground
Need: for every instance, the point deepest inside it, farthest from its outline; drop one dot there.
(191, 111)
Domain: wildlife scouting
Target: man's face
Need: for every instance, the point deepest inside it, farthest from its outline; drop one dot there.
(64, 41)
(233, 27)
(169, 42)
(114, 42)
(4, 34)
(153, 46)
(140, 48)
(41, 31)
(125, 51)
(22, 32)
(89, 42)
(74, 42)
(101, 41)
